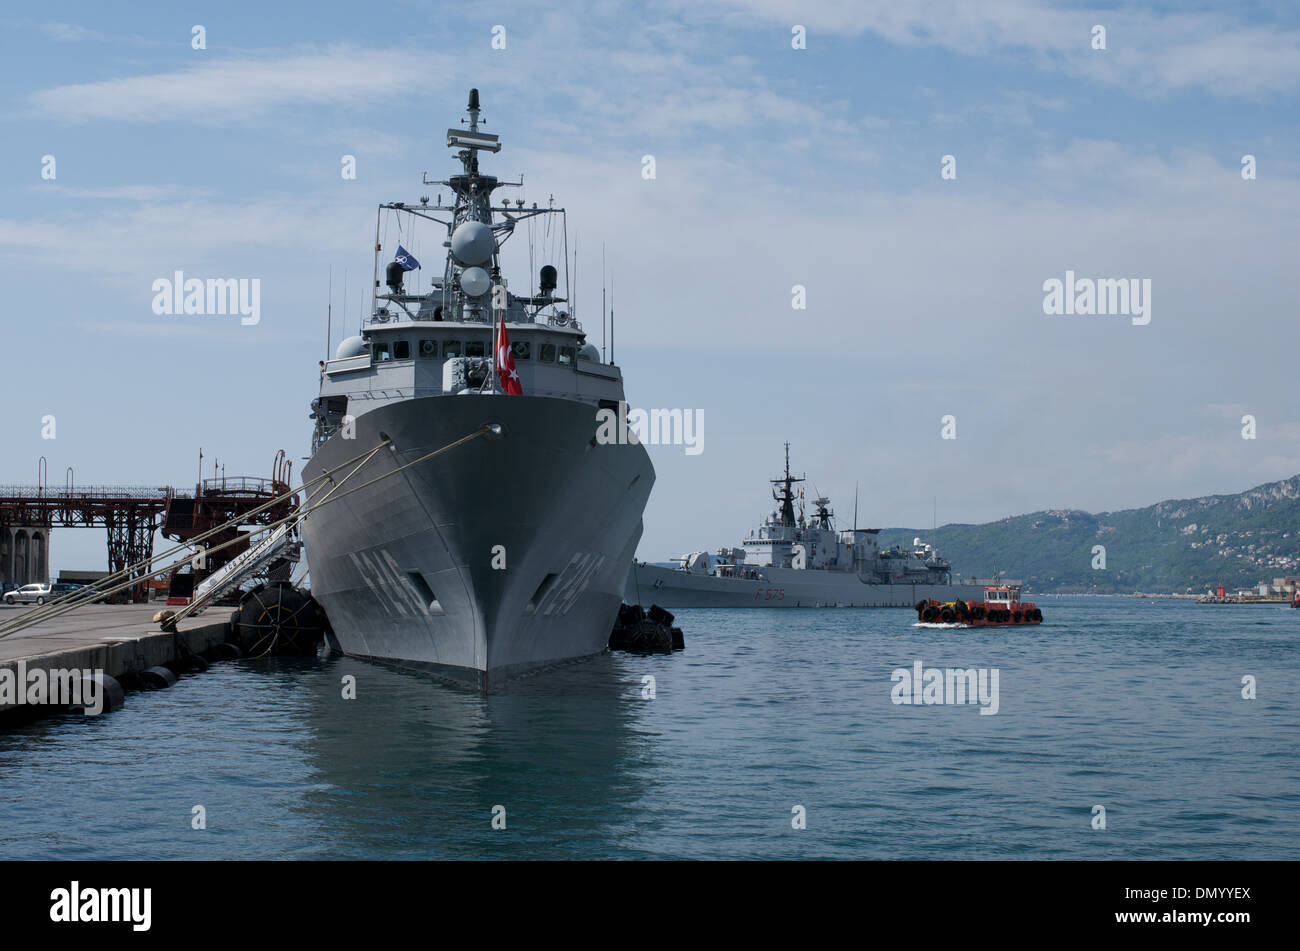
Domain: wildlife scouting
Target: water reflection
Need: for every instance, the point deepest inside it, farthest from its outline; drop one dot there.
(413, 767)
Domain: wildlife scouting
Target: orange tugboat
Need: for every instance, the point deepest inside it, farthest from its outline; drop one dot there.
(1001, 605)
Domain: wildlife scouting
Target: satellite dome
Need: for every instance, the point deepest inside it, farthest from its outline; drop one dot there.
(472, 243)
(474, 281)
(350, 347)
(589, 352)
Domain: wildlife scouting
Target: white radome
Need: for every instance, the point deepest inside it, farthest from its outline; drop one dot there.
(472, 243)
(350, 347)
(475, 281)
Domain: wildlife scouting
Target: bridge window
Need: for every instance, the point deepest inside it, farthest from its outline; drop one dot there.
(548, 353)
(379, 352)
(451, 348)
(522, 349)
(475, 348)
(402, 350)
(566, 356)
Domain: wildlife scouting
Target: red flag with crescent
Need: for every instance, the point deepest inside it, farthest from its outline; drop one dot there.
(506, 371)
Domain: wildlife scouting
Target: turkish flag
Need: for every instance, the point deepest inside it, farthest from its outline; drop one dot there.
(506, 371)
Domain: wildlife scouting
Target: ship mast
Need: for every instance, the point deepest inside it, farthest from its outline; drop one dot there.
(476, 230)
(786, 494)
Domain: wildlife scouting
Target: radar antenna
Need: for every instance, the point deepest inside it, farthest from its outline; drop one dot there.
(786, 495)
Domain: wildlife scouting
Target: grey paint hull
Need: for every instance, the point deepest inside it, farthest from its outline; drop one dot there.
(404, 569)
(783, 588)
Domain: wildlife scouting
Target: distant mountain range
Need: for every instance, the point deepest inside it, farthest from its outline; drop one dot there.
(1181, 546)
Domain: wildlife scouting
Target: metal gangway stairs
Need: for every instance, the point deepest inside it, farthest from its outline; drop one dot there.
(281, 542)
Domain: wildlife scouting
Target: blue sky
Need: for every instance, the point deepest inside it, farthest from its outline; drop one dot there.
(775, 167)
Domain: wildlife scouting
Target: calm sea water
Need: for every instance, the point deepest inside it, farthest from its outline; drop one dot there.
(1134, 705)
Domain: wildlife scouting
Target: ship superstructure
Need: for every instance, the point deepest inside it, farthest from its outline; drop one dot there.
(791, 560)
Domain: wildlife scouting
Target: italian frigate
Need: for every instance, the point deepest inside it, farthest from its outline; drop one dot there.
(508, 551)
(792, 561)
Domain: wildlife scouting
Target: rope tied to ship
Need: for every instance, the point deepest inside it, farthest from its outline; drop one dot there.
(134, 574)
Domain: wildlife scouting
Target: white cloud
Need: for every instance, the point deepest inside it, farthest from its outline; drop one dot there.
(1150, 53)
(68, 32)
(245, 87)
(1207, 460)
(149, 193)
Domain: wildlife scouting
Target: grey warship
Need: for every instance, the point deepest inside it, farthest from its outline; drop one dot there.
(508, 552)
(792, 561)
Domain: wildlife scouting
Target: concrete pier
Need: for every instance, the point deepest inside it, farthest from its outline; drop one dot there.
(116, 639)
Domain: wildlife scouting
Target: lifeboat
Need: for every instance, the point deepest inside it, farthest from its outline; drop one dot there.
(1001, 607)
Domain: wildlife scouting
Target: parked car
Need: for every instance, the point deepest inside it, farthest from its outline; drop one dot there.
(29, 593)
(60, 588)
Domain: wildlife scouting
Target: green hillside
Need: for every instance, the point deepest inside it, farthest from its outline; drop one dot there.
(1180, 546)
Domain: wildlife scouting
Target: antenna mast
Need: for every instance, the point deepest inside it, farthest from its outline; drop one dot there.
(786, 496)
(345, 299)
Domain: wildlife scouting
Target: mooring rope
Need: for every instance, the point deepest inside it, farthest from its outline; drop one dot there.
(140, 570)
(295, 516)
(133, 572)
(136, 573)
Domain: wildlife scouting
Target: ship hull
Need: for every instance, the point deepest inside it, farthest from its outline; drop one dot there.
(504, 555)
(782, 588)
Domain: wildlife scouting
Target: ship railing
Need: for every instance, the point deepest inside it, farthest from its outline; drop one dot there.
(488, 319)
(253, 484)
(97, 491)
(395, 393)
